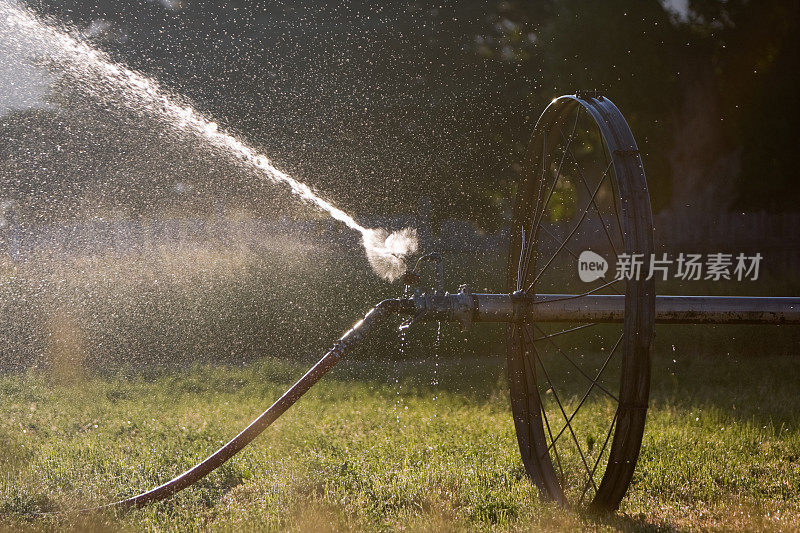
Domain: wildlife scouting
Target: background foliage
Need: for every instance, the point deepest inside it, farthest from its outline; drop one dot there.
(379, 103)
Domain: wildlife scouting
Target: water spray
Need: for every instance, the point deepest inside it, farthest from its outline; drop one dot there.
(385, 251)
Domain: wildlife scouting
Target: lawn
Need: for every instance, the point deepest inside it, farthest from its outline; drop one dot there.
(375, 446)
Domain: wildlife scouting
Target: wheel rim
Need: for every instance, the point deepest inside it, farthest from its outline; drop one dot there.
(579, 391)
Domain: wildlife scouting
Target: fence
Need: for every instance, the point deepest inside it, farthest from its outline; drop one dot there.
(775, 235)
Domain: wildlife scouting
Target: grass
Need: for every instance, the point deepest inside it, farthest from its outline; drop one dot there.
(376, 447)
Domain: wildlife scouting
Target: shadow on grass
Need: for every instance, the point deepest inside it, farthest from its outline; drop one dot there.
(624, 522)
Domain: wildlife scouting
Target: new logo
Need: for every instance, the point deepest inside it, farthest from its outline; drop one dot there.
(591, 266)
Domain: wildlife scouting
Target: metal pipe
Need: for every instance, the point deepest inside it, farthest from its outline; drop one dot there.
(611, 308)
(727, 310)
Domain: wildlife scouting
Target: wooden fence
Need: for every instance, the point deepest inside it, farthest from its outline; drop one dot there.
(775, 235)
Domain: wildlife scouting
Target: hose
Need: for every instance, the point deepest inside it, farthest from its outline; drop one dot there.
(215, 460)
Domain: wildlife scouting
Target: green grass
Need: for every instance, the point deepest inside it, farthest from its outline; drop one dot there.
(375, 447)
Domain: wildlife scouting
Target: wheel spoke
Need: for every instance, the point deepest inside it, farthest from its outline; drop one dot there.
(581, 295)
(599, 457)
(571, 233)
(521, 255)
(590, 472)
(539, 213)
(525, 252)
(529, 371)
(614, 196)
(583, 373)
(596, 207)
(564, 414)
(591, 387)
(564, 331)
(575, 256)
(561, 476)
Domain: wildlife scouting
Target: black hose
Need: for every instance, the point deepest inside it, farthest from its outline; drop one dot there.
(215, 460)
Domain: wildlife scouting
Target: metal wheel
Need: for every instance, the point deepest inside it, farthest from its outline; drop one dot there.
(579, 391)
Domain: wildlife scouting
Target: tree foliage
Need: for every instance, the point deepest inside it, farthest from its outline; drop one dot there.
(380, 103)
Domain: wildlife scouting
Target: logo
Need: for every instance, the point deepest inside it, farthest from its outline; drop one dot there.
(591, 266)
(686, 266)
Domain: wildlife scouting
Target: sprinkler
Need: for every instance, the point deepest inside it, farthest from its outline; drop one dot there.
(575, 451)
